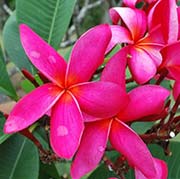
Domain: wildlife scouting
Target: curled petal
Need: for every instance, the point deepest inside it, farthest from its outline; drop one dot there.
(161, 170)
(129, 144)
(134, 19)
(91, 148)
(119, 35)
(43, 56)
(115, 69)
(66, 126)
(100, 99)
(165, 13)
(144, 101)
(88, 54)
(141, 65)
(31, 107)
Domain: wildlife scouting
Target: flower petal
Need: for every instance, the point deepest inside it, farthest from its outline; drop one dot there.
(66, 126)
(165, 13)
(91, 148)
(43, 56)
(119, 35)
(88, 54)
(144, 101)
(31, 107)
(134, 19)
(115, 69)
(100, 99)
(129, 144)
(171, 60)
(176, 90)
(161, 170)
(130, 3)
(141, 65)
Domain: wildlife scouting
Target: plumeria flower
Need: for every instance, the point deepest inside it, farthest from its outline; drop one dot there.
(165, 12)
(68, 93)
(143, 55)
(143, 101)
(171, 61)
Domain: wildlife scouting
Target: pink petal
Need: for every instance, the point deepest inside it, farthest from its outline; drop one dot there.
(134, 19)
(144, 101)
(161, 170)
(165, 13)
(178, 11)
(66, 126)
(129, 144)
(88, 54)
(130, 3)
(115, 69)
(100, 99)
(91, 148)
(176, 90)
(171, 60)
(31, 107)
(119, 35)
(43, 56)
(141, 65)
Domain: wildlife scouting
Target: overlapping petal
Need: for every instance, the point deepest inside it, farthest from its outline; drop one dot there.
(91, 149)
(31, 107)
(129, 144)
(141, 65)
(115, 68)
(134, 19)
(171, 60)
(165, 13)
(100, 99)
(161, 170)
(88, 54)
(66, 126)
(144, 100)
(42, 55)
(119, 35)
(176, 90)
(130, 3)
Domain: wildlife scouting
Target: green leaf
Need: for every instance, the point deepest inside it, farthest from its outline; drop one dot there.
(6, 86)
(3, 137)
(172, 161)
(13, 45)
(49, 19)
(19, 159)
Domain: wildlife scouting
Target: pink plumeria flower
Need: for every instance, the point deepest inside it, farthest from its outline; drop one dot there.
(143, 101)
(143, 55)
(68, 93)
(171, 62)
(164, 12)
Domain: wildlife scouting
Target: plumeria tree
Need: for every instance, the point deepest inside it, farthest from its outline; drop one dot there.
(106, 106)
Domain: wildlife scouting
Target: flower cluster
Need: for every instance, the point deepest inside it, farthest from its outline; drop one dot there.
(86, 114)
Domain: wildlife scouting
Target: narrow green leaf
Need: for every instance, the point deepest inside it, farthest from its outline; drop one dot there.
(6, 86)
(19, 159)
(3, 136)
(13, 45)
(49, 19)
